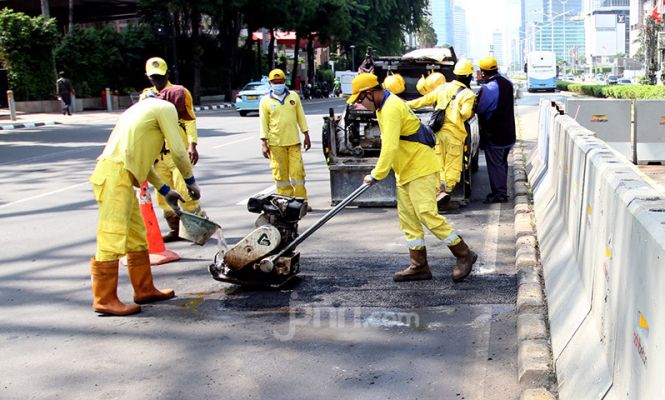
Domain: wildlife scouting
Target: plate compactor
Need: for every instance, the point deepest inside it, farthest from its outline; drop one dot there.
(267, 256)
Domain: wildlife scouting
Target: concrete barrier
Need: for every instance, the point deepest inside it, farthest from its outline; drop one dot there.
(610, 119)
(650, 130)
(602, 239)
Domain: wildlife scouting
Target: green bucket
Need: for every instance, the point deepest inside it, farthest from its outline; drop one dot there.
(196, 228)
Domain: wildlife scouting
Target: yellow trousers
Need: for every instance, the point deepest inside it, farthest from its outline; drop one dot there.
(120, 227)
(288, 170)
(167, 171)
(452, 154)
(416, 206)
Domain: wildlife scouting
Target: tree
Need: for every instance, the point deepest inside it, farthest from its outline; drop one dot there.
(26, 45)
(45, 9)
(426, 35)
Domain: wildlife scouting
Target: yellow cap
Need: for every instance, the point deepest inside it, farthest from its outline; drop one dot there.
(463, 67)
(434, 80)
(155, 66)
(276, 74)
(420, 86)
(395, 83)
(361, 83)
(488, 63)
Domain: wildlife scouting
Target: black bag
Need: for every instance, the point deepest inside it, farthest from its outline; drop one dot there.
(424, 135)
(439, 116)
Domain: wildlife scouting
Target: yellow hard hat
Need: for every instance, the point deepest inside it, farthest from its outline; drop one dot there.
(395, 83)
(420, 86)
(361, 83)
(463, 67)
(434, 80)
(488, 63)
(276, 74)
(155, 66)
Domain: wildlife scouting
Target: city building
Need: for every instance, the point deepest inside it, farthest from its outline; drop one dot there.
(638, 9)
(460, 31)
(607, 28)
(498, 48)
(442, 21)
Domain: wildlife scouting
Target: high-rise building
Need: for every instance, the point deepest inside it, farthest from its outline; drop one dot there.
(460, 32)
(636, 18)
(532, 20)
(607, 27)
(498, 48)
(442, 21)
(567, 35)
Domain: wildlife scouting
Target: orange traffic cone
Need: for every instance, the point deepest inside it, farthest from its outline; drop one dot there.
(158, 252)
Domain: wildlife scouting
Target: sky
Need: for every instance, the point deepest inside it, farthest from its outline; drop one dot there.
(483, 17)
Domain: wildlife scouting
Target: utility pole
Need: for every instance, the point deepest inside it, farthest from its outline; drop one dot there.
(71, 16)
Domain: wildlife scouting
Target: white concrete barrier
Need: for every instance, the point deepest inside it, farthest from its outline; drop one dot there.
(650, 130)
(610, 119)
(601, 230)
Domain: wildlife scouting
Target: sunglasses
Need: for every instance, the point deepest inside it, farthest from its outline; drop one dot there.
(362, 97)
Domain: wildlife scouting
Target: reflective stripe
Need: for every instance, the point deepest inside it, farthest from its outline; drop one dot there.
(297, 182)
(416, 243)
(282, 184)
(453, 236)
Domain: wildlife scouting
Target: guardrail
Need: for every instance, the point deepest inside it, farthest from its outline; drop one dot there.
(602, 241)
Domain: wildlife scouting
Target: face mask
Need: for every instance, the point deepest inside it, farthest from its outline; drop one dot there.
(278, 88)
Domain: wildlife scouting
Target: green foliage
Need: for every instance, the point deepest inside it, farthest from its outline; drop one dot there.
(26, 45)
(615, 91)
(325, 74)
(98, 58)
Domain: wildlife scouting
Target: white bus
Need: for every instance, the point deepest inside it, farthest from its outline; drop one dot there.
(541, 71)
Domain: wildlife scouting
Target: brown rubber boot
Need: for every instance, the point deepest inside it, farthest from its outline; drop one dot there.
(104, 289)
(465, 259)
(173, 220)
(140, 274)
(418, 270)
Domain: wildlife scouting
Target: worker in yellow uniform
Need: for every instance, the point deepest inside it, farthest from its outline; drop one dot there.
(126, 162)
(416, 175)
(457, 99)
(281, 114)
(157, 72)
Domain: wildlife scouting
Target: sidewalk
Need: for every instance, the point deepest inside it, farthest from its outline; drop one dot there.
(29, 120)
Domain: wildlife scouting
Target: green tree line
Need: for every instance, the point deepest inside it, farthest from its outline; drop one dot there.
(202, 42)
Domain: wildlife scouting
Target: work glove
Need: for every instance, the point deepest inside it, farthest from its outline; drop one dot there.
(194, 191)
(172, 198)
(193, 153)
(265, 149)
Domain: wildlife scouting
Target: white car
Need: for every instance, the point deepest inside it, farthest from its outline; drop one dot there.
(624, 81)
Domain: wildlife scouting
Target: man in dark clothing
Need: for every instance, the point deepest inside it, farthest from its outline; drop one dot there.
(65, 92)
(497, 126)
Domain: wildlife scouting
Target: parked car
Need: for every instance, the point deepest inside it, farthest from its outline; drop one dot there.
(624, 81)
(569, 77)
(248, 99)
(611, 80)
(600, 77)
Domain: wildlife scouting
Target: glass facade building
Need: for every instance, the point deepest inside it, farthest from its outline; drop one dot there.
(442, 21)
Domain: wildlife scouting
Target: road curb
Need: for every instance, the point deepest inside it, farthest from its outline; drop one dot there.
(213, 107)
(10, 127)
(534, 357)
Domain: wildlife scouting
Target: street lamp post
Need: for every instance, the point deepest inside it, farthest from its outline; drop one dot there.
(353, 58)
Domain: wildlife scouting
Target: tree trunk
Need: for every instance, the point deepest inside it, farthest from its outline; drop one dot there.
(195, 19)
(296, 51)
(229, 31)
(310, 59)
(271, 49)
(259, 60)
(71, 16)
(45, 9)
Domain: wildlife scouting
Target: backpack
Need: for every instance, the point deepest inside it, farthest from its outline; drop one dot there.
(439, 116)
(423, 135)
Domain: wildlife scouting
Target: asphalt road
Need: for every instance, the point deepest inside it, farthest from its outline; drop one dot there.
(346, 330)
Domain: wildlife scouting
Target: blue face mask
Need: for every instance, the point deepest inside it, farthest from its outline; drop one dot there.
(278, 88)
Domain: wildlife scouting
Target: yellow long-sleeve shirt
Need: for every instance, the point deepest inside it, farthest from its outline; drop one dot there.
(427, 100)
(138, 137)
(186, 116)
(409, 160)
(280, 120)
(458, 111)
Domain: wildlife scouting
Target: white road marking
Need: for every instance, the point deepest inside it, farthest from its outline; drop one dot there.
(234, 142)
(264, 191)
(491, 241)
(39, 196)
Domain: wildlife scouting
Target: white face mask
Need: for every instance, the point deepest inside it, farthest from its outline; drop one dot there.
(278, 88)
